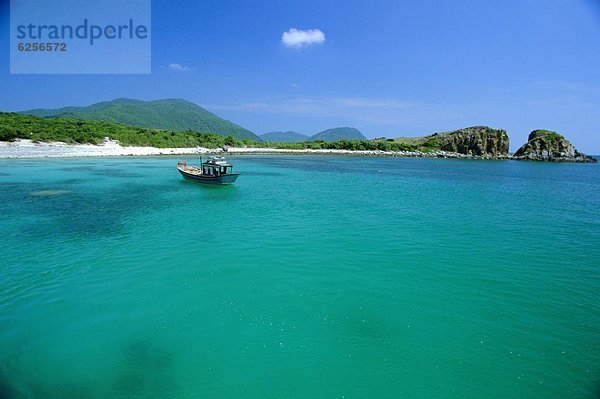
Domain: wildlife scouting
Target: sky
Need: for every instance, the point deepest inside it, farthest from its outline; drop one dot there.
(389, 68)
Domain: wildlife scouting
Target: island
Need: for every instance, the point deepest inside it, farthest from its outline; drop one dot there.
(545, 145)
(174, 126)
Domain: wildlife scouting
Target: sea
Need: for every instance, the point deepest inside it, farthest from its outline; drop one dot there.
(310, 277)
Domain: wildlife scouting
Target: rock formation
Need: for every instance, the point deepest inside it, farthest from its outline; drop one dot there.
(545, 145)
(476, 140)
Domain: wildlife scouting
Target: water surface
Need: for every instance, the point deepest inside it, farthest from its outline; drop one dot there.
(311, 277)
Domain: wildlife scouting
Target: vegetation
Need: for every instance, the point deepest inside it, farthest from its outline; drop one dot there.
(549, 135)
(330, 135)
(288, 137)
(352, 145)
(339, 133)
(171, 114)
(69, 130)
(431, 143)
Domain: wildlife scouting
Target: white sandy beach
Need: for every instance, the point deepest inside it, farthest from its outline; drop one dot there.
(30, 149)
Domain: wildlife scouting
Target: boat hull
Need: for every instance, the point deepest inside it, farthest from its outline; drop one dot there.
(223, 179)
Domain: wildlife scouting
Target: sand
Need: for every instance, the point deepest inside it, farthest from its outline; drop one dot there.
(30, 149)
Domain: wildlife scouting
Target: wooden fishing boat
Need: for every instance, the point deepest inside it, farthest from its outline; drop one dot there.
(215, 170)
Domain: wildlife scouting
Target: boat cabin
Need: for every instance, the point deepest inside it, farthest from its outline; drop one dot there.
(216, 166)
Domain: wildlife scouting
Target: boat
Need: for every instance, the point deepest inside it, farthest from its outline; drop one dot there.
(215, 170)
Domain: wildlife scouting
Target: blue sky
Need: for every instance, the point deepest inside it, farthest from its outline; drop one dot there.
(389, 68)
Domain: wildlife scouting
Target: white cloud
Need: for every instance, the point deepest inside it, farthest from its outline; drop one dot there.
(296, 38)
(174, 66)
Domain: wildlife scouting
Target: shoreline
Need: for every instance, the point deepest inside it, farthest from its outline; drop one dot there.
(23, 149)
(28, 149)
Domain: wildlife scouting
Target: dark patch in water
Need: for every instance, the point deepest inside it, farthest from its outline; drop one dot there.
(140, 354)
(596, 393)
(17, 384)
(109, 170)
(106, 172)
(82, 168)
(4, 388)
(82, 212)
(361, 165)
(145, 372)
(73, 181)
(21, 164)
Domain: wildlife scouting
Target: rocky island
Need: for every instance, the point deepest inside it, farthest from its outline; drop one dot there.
(477, 141)
(545, 145)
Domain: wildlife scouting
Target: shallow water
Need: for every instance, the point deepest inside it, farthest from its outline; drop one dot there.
(310, 277)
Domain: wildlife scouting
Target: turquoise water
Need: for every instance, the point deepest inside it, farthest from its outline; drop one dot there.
(311, 277)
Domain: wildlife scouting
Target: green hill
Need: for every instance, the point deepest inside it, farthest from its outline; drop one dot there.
(339, 133)
(168, 114)
(70, 130)
(284, 137)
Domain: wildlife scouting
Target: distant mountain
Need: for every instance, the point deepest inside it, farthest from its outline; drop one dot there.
(339, 133)
(168, 114)
(284, 137)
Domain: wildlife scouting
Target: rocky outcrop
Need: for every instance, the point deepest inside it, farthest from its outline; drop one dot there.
(545, 145)
(477, 140)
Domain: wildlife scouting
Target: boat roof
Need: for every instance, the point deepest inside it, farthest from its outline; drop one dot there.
(217, 161)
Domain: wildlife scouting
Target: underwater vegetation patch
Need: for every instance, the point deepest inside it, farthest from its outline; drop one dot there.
(78, 168)
(48, 212)
(16, 383)
(110, 172)
(145, 372)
